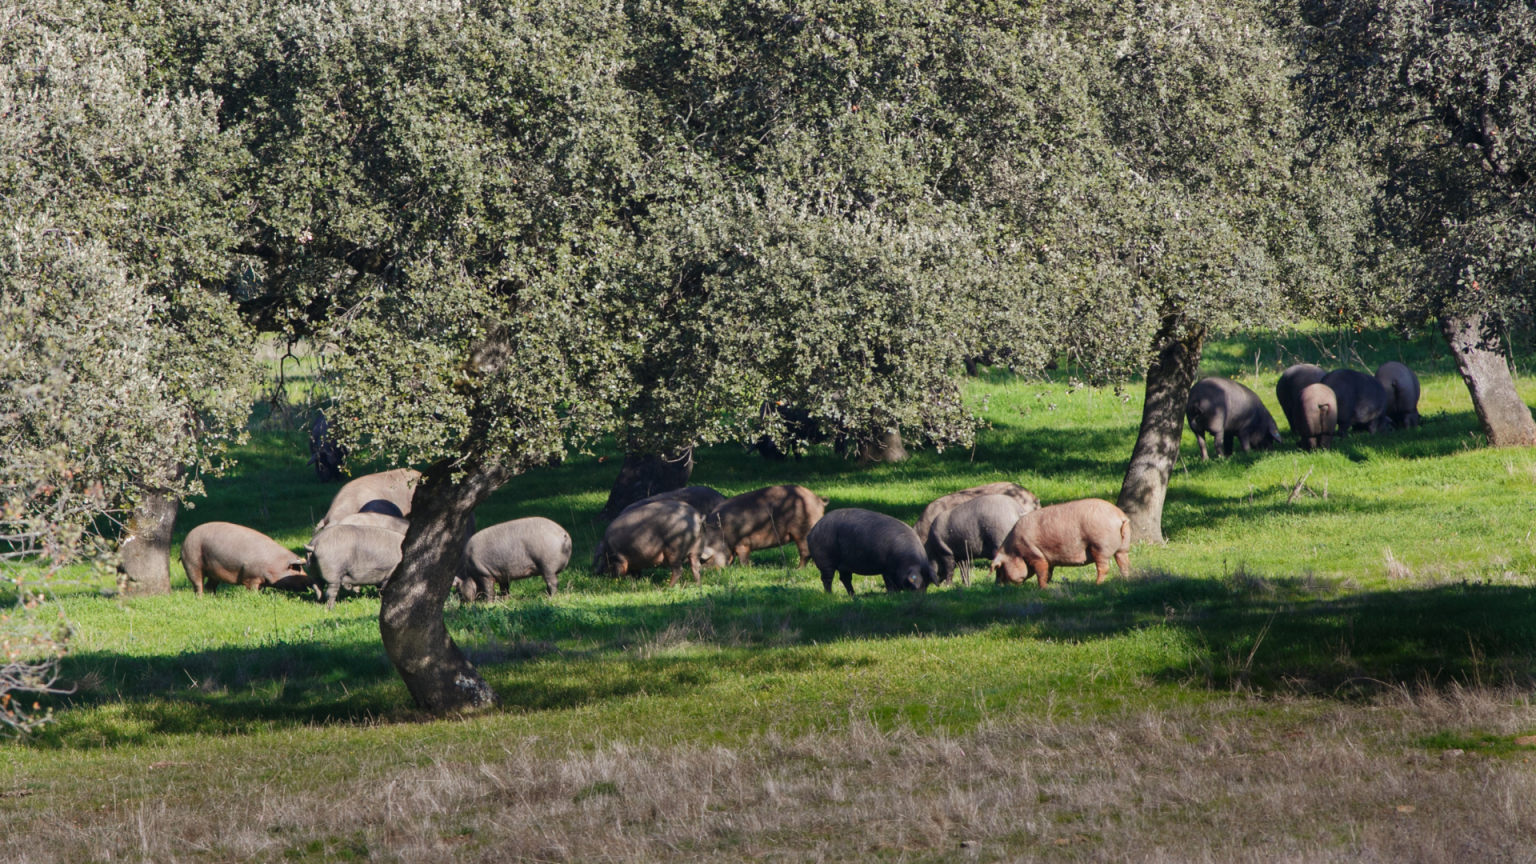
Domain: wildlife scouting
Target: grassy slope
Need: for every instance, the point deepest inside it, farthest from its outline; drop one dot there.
(764, 649)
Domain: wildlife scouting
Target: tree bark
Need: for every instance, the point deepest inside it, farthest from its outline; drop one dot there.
(885, 447)
(646, 474)
(1479, 357)
(438, 675)
(1169, 378)
(144, 563)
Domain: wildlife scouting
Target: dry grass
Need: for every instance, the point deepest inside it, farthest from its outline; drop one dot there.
(1242, 780)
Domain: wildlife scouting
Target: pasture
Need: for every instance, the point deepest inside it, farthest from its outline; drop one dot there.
(1284, 680)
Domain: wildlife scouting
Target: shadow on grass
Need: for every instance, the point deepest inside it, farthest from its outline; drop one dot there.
(1268, 635)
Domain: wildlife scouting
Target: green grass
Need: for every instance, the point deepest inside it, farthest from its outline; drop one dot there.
(1252, 593)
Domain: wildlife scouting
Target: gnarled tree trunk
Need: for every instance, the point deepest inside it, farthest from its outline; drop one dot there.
(144, 558)
(1479, 357)
(646, 474)
(1169, 377)
(439, 676)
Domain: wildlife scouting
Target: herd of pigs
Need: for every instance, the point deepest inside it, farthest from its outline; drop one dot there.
(1319, 405)
(685, 530)
(1002, 524)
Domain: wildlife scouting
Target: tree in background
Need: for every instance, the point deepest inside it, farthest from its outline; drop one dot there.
(796, 242)
(1143, 160)
(95, 157)
(1439, 99)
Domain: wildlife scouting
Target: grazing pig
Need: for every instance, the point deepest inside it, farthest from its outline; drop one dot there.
(324, 453)
(955, 499)
(763, 519)
(1288, 392)
(1362, 401)
(514, 550)
(217, 552)
(975, 529)
(852, 541)
(1402, 388)
(395, 487)
(353, 555)
(1065, 535)
(377, 520)
(1319, 416)
(659, 534)
(700, 498)
(1228, 410)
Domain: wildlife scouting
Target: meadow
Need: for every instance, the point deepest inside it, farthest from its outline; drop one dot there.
(1331, 659)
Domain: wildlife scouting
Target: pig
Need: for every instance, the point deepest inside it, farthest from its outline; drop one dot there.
(955, 499)
(1362, 401)
(1402, 388)
(1288, 393)
(382, 507)
(1065, 535)
(1319, 416)
(659, 534)
(377, 520)
(852, 541)
(514, 550)
(700, 498)
(217, 552)
(395, 487)
(763, 519)
(1228, 410)
(351, 555)
(324, 453)
(975, 529)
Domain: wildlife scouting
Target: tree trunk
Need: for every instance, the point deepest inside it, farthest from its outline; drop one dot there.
(439, 676)
(1479, 357)
(885, 447)
(144, 564)
(646, 474)
(1169, 378)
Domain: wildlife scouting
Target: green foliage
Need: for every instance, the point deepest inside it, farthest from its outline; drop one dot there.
(1439, 99)
(437, 185)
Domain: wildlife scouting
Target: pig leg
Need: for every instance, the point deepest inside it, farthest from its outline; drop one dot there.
(551, 581)
(743, 554)
(947, 571)
(847, 577)
(693, 563)
(331, 590)
(1101, 564)
(195, 576)
(1041, 568)
(1203, 454)
(805, 550)
(251, 581)
(826, 579)
(1123, 561)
